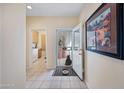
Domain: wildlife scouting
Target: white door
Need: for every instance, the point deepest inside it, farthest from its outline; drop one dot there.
(78, 51)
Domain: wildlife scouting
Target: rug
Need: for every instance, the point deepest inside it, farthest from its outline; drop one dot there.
(59, 69)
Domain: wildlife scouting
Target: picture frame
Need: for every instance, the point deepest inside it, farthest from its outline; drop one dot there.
(104, 31)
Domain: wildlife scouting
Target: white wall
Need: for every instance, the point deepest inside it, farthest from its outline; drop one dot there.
(50, 24)
(0, 41)
(101, 71)
(13, 46)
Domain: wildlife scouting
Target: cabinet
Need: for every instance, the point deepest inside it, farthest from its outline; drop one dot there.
(35, 36)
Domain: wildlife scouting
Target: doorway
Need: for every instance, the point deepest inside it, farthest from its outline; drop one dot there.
(70, 42)
(64, 45)
(37, 53)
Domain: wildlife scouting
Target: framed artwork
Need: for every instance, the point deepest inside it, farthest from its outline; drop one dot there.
(104, 31)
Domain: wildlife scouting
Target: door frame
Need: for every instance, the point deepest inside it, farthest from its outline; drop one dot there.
(29, 47)
(60, 30)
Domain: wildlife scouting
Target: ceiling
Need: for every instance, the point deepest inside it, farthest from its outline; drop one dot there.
(54, 9)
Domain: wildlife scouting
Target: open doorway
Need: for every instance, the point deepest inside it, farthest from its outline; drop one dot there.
(64, 53)
(69, 46)
(64, 46)
(38, 53)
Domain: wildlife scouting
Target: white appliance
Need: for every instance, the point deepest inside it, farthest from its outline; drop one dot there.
(34, 54)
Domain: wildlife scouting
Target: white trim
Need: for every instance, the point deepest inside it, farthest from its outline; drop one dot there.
(30, 44)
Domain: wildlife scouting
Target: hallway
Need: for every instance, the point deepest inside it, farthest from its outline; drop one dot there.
(95, 45)
(45, 80)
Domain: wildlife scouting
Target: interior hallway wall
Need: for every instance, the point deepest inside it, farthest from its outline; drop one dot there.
(101, 71)
(0, 41)
(13, 46)
(50, 23)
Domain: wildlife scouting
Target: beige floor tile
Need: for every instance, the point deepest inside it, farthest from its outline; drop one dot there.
(45, 84)
(36, 84)
(75, 85)
(65, 84)
(28, 84)
(83, 85)
(45, 80)
(55, 84)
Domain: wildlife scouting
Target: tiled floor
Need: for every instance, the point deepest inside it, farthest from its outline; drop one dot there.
(45, 80)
